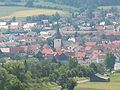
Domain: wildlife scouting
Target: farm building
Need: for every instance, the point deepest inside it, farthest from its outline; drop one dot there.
(99, 78)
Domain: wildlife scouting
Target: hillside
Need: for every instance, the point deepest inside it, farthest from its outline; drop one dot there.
(86, 3)
(61, 4)
(113, 85)
(20, 12)
(18, 9)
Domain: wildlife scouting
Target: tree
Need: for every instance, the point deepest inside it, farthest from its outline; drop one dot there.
(9, 81)
(53, 77)
(3, 78)
(62, 81)
(66, 37)
(110, 61)
(54, 60)
(94, 67)
(98, 68)
(108, 22)
(29, 3)
(71, 84)
(16, 56)
(36, 29)
(82, 42)
(1, 54)
(72, 63)
(26, 65)
(39, 55)
(16, 0)
(13, 83)
(28, 18)
(14, 19)
(50, 42)
(17, 69)
(76, 34)
(56, 17)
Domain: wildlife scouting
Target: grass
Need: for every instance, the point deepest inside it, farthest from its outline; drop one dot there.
(44, 86)
(113, 85)
(7, 10)
(108, 7)
(79, 79)
(19, 12)
(44, 4)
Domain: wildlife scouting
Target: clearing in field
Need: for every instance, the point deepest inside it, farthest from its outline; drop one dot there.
(113, 85)
(20, 12)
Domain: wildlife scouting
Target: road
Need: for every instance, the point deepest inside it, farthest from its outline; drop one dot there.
(83, 81)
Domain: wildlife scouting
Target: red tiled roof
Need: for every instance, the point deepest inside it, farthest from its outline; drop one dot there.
(80, 54)
(101, 27)
(9, 43)
(90, 43)
(47, 50)
(23, 37)
(87, 48)
(25, 48)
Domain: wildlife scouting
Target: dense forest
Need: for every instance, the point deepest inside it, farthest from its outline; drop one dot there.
(76, 3)
(36, 72)
(32, 74)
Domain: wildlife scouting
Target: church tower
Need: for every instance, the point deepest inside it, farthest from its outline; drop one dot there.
(58, 39)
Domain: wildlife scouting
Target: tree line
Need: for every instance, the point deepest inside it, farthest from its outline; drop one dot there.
(87, 3)
(23, 75)
(33, 73)
(76, 3)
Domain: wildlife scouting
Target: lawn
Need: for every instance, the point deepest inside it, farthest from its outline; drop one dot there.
(113, 85)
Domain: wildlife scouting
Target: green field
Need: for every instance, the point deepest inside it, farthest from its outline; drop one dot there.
(20, 12)
(113, 85)
(6, 10)
(108, 7)
(44, 4)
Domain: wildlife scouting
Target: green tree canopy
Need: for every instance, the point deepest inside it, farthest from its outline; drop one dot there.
(110, 61)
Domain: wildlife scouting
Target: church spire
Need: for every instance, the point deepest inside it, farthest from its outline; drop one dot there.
(58, 34)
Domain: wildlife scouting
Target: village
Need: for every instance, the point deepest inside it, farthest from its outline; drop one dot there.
(59, 44)
(88, 41)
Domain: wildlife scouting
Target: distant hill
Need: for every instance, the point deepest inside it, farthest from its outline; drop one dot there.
(87, 3)
(73, 3)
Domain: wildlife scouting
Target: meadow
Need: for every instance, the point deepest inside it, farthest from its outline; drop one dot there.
(20, 12)
(113, 85)
(108, 7)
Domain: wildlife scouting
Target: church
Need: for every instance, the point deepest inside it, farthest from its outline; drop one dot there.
(58, 39)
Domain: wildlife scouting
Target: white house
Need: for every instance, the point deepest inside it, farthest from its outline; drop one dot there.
(72, 39)
(5, 50)
(3, 25)
(117, 66)
(28, 26)
(14, 25)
